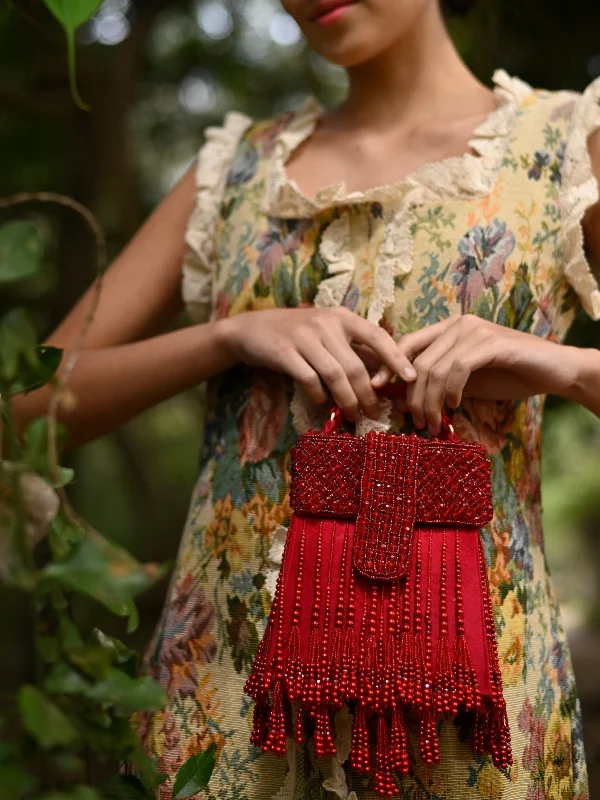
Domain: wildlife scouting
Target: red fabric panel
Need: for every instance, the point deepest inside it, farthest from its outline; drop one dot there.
(323, 584)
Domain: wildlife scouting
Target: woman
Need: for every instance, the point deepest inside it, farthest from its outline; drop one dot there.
(428, 228)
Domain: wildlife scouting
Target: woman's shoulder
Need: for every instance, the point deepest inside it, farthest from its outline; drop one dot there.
(554, 112)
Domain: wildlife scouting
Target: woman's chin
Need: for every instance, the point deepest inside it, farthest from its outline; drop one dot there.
(346, 53)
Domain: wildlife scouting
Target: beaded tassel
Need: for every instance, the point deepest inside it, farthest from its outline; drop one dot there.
(398, 744)
(498, 731)
(299, 727)
(337, 645)
(275, 741)
(262, 711)
(467, 690)
(359, 758)
(294, 672)
(403, 679)
(312, 692)
(416, 674)
(383, 780)
(428, 739)
(323, 739)
(369, 661)
(325, 663)
(444, 686)
(387, 691)
(259, 679)
(349, 676)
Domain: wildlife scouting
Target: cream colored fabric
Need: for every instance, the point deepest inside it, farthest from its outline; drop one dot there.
(214, 160)
(579, 191)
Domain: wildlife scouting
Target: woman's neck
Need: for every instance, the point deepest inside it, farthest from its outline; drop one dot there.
(420, 78)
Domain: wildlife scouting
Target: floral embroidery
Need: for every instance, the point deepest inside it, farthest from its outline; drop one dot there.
(483, 260)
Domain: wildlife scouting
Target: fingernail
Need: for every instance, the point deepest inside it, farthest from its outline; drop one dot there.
(408, 373)
(377, 379)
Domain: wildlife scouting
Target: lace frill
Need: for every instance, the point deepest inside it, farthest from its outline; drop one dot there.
(579, 191)
(214, 160)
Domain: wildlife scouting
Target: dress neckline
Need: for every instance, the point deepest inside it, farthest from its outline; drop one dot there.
(453, 177)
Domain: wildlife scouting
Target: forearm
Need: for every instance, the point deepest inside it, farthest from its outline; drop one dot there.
(113, 384)
(585, 388)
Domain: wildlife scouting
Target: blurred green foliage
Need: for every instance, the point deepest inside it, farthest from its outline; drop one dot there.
(156, 73)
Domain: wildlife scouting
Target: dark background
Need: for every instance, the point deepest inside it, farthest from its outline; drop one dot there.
(156, 73)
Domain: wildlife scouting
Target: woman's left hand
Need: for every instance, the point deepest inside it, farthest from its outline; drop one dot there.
(466, 356)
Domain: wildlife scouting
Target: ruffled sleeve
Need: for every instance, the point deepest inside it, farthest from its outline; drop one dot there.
(214, 160)
(579, 191)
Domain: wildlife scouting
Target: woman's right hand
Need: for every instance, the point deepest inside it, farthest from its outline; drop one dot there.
(315, 347)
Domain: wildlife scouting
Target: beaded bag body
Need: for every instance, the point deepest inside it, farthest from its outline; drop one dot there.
(382, 602)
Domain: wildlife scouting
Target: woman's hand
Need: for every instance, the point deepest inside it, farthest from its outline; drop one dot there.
(469, 356)
(315, 347)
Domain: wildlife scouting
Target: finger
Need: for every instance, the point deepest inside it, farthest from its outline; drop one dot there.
(356, 372)
(411, 344)
(384, 347)
(466, 360)
(368, 356)
(302, 372)
(333, 375)
(430, 383)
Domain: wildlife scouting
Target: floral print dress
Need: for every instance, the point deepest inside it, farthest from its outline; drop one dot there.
(495, 233)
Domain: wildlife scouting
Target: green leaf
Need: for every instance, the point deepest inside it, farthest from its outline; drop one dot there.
(20, 251)
(15, 781)
(71, 14)
(17, 344)
(195, 773)
(33, 376)
(126, 787)
(63, 679)
(35, 454)
(106, 572)
(121, 740)
(64, 534)
(125, 658)
(117, 690)
(44, 720)
(35, 437)
(128, 694)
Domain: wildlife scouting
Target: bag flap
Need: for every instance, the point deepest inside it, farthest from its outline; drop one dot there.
(387, 506)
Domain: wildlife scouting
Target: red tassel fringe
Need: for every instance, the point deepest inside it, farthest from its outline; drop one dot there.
(409, 647)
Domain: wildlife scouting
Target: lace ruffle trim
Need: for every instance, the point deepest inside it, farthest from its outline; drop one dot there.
(449, 178)
(214, 160)
(579, 191)
(453, 178)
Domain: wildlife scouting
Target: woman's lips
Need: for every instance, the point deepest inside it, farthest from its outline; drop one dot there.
(330, 11)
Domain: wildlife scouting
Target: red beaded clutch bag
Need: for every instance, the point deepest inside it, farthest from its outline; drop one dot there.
(382, 602)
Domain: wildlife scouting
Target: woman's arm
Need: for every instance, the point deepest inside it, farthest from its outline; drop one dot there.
(116, 374)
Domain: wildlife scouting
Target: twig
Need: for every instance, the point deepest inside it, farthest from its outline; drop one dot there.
(65, 373)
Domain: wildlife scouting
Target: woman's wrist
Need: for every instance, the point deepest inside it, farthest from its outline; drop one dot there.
(225, 332)
(584, 387)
